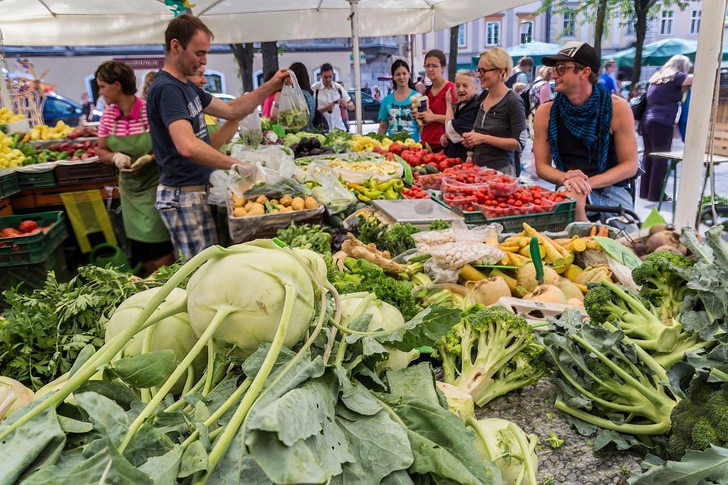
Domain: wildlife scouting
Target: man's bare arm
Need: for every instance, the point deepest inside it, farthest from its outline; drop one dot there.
(241, 107)
(541, 148)
(189, 146)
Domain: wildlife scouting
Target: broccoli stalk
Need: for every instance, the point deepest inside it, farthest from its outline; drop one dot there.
(609, 302)
(489, 353)
(616, 384)
(661, 284)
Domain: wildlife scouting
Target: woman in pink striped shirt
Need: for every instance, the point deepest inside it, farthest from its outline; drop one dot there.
(124, 141)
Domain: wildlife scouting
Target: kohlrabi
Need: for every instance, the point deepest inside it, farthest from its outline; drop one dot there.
(238, 298)
(13, 396)
(384, 317)
(174, 333)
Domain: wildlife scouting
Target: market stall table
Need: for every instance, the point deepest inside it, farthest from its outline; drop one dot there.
(675, 157)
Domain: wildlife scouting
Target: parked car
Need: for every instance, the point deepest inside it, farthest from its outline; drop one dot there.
(369, 107)
(57, 108)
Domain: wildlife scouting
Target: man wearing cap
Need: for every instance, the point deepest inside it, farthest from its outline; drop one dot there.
(584, 140)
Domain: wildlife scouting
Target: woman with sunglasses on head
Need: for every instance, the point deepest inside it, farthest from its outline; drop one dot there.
(433, 120)
(500, 124)
(395, 115)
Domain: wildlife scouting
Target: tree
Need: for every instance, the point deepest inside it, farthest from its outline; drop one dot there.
(638, 12)
(244, 55)
(269, 50)
(452, 62)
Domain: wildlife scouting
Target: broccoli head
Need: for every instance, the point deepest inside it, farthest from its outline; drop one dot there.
(662, 284)
(700, 420)
(489, 353)
(611, 303)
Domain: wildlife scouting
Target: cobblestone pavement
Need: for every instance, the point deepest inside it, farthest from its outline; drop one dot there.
(575, 463)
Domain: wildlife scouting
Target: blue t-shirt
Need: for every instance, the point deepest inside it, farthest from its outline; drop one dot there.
(399, 116)
(170, 100)
(608, 81)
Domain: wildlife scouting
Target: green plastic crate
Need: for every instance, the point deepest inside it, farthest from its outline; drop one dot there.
(554, 221)
(9, 185)
(36, 180)
(34, 275)
(35, 248)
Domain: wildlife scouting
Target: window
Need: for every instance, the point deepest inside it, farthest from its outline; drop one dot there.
(668, 17)
(462, 36)
(630, 28)
(492, 33)
(695, 22)
(526, 30)
(569, 23)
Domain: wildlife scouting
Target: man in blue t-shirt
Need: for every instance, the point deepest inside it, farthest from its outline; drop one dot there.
(608, 77)
(176, 109)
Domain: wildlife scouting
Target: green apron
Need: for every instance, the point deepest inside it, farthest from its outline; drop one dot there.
(138, 190)
(212, 129)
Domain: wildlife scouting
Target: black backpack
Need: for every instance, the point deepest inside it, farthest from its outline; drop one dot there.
(512, 80)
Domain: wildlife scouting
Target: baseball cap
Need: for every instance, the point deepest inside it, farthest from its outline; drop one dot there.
(575, 51)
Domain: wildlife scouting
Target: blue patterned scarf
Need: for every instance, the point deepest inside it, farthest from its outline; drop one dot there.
(589, 123)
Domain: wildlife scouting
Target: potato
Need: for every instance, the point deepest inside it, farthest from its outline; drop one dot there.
(262, 199)
(286, 200)
(249, 205)
(287, 209)
(239, 212)
(257, 210)
(298, 204)
(237, 201)
(310, 203)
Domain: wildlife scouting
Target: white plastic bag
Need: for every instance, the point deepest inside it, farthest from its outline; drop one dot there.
(440, 275)
(479, 234)
(330, 192)
(456, 255)
(277, 158)
(293, 112)
(250, 133)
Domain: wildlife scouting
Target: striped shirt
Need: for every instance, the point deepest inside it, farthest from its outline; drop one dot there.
(125, 125)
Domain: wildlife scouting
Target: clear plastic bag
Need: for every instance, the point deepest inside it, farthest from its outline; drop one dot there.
(456, 255)
(277, 158)
(265, 182)
(293, 113)
(439, 274)
(479, 234)
(330, 192)
(426, 239)
(250, 133)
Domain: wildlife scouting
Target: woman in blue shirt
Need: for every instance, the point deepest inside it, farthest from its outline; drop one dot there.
(395, 115)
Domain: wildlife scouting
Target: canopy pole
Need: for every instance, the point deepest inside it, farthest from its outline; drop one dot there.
(357, 64)
(696, 134)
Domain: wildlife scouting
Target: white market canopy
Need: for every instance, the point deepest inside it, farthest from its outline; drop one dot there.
(124, 22)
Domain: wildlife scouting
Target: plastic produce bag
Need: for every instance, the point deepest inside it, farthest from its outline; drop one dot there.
(330, 192)
(250, 133)
(439, 274)
(277, 158)
(293, 112)
(479, 234)
(273, 184)
(456, 255)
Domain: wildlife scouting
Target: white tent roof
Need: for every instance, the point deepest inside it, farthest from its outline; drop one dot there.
(124, 22)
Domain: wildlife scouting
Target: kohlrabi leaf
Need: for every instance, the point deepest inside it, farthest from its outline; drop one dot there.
(146, 370)
(237, 467)
(194, 460)
(400, 477)
(379, 446)
(695, 467)
(39, 442)
(69, 425)
(107, 417)
(147, 443)
(117, 391)
(426, 328)
(83, 356)
(163, 469)
(621, 441)
(301, 412)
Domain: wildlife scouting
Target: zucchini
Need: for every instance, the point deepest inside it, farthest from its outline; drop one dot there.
(430, 169)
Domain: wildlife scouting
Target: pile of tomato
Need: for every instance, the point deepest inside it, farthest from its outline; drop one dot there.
(415, 192)
(532, 199)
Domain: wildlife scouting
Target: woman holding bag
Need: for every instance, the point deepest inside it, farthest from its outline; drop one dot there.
(125, 142)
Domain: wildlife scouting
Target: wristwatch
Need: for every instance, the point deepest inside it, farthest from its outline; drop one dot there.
(276, 105)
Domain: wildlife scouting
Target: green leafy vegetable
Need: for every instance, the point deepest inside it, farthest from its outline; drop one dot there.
(396, 238)
(306, 236)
